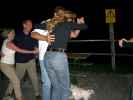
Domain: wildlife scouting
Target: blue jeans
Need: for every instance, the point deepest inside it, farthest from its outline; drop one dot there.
(58, 72)
(46, 84)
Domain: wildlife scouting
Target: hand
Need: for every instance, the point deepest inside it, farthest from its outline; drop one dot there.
(80, 20)
(50, 38)
(121, 42)
(36, 50)
(74, 34)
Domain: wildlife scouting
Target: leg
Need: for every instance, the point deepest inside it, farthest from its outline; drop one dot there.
(46, 84)
(10, 72)
(32, 72)
(20, 71)
(59, 75)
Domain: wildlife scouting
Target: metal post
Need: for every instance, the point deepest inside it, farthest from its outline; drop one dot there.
(112, 44)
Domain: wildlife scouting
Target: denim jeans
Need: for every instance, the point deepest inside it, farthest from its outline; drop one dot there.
(46, 84)
(58, 72)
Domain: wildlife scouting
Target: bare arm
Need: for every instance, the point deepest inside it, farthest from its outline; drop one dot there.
(38, 36)
(12, 46)
(126, 43)
(130, 40)
(127, 40)
(74, 34)
(48, 38)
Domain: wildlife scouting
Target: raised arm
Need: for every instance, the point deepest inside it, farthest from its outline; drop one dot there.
(130, 40)
(126, 43)
(12, 46)
(49, 38)
(76, 27)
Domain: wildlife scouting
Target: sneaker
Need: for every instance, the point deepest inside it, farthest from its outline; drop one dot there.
(8, 98)
(38, 97)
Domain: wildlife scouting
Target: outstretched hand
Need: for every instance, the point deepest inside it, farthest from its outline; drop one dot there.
(121, 42)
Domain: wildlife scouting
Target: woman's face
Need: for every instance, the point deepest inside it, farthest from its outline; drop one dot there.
(11, 35)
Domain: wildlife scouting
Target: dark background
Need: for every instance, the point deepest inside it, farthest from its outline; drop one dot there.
(13, 12)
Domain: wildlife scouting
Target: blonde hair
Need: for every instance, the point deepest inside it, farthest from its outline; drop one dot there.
(6, 31)
(55, 20)
(59, 11)
(68, 15)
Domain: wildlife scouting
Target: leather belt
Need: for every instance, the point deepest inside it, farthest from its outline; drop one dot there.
(56, 49)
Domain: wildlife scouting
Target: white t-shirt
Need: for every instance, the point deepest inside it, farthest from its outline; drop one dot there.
(9, 54)
(42, 44)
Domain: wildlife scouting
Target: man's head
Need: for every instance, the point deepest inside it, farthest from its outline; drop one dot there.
(59, 11)
(27, 25)
(69, 16)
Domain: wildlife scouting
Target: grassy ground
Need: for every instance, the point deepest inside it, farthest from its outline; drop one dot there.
(101, 68)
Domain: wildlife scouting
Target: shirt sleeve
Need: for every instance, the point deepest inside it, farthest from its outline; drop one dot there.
(40, 31)
(75, 26)
(128, 45)
(40, 26)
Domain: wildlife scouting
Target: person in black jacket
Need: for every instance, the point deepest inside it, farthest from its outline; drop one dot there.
(26, 62)
(55, 59)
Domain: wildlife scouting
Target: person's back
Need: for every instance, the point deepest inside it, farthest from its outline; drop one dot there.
(63, 31)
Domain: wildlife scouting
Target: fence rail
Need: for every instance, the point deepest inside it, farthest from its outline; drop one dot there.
(100, 40)
(85, 55)
(100, 54)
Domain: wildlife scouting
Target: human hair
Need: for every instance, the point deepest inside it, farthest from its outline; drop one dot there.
(58, 8)
(58, 17)
(69, 15)
(6, 31)
(25, 21)
(51, 24)
(59, 11)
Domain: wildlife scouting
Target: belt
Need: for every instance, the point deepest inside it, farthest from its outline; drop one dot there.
(56, 49)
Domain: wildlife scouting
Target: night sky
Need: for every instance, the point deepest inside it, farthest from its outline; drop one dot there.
(92, 10)
(12, 13)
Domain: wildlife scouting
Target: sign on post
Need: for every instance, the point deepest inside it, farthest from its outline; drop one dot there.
(111, 19)
(110, 15)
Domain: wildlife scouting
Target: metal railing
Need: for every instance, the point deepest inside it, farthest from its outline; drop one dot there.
(79, 55)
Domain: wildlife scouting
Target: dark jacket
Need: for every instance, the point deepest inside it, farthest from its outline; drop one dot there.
(25, 42)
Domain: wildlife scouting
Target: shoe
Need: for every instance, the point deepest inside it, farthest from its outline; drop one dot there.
(38, 97)
(8, 98)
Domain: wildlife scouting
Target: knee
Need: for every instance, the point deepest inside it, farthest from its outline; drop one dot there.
(16, 81)
(46, 83)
